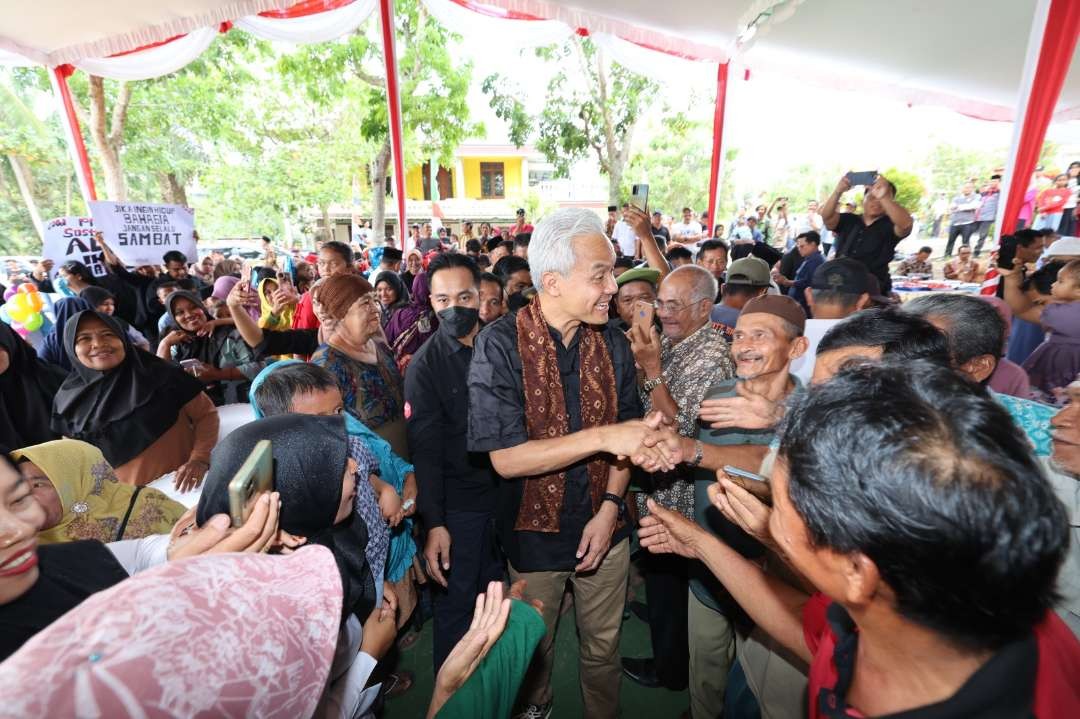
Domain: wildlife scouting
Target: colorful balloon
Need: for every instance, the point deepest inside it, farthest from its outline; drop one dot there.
(4, 316)
(27, 288)
(37, 303)
(9, 292)
(18, 311)
(34, 322)
(20, 330)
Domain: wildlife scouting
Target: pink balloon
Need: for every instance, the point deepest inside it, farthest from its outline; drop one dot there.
(9, 292)
(20, 330)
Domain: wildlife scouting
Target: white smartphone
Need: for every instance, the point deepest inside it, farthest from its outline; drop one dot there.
(753, 483)
(639, 196)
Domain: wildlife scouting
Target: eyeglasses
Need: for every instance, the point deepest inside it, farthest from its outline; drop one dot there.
(674, 307)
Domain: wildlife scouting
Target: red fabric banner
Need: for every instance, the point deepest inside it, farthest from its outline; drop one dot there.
(1055, 55)
(393, 101)
(718, 142)
(305, 8)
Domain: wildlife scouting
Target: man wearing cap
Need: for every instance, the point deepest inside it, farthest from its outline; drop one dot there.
(635, 285)
(872, 237)
(520, 226)
(612, 218)
(678, 367)
(839, 289)
(688, 231)
(768, 337)
(747, 278)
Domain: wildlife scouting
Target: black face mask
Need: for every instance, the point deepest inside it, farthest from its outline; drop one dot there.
(458, 321)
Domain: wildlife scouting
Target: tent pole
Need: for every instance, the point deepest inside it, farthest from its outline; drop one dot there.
(72, 133)
(1054, 31)
(393, 101)
(718, 143)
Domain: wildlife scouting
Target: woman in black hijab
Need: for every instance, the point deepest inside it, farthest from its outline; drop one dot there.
(27, 386)
(315, 478)
(147, 416)
(224, 363)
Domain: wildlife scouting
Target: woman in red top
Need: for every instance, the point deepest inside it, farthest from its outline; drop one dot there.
(1051, 204)
(914, 507)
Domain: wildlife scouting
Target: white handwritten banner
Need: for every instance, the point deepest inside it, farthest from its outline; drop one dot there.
(140, 234)
(72, 238)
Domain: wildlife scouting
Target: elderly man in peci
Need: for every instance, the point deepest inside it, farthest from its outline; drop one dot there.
(677, 370)
(553, 399)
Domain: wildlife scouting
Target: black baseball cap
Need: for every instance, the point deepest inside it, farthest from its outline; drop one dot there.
(521, 212)
(842, 275)
(612, 208)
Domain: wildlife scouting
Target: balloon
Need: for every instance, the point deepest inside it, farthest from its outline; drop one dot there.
(17, 311)
(4, 315)
(34, 322)
(36, 302)
(27, 288)
(9, 292)
(20, 330)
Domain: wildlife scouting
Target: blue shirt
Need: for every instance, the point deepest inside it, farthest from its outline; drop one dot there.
(803, 276)
(1032, 417)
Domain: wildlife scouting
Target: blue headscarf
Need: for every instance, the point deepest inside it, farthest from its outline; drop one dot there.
(52, 349)
(392, 469)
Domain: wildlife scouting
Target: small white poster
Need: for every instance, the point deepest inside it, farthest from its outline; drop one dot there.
(140, 234)
(72, 238)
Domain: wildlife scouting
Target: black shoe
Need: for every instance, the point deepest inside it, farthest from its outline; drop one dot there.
(639, 610)
(641, 670)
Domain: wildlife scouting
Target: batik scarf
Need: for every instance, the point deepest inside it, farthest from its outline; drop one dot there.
(545, 411)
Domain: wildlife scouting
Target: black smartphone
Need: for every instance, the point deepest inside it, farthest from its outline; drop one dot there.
(862, 178)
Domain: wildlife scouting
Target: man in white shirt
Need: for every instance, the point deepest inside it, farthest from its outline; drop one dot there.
(839, 289)
(624, 235)
(689, 231)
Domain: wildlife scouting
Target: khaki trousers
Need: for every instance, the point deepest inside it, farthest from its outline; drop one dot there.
(712, 651)
(599, 599)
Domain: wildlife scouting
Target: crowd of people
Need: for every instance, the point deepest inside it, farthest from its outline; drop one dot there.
(839, 504)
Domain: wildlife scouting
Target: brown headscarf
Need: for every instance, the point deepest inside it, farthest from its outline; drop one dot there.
(546, 417)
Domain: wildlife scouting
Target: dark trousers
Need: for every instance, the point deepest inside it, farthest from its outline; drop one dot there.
(475, 560)
(1068, 222)
(666, 588)
(982, 231)
(962, 231)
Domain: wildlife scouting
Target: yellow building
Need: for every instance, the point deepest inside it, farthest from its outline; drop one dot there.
(480, 172)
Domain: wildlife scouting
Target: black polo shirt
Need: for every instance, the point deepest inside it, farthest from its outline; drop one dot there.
(437, 408)
(873, 245)
(497, 421)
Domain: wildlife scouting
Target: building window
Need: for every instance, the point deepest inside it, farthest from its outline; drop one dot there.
(492, 180)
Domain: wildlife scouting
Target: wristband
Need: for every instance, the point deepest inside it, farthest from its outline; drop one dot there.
(618, 501)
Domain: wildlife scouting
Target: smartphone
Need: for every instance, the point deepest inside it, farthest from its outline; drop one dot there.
(639, 197)
(644, 314)
(245, 274)
(255, 476)
(753, 483)
(284, 278)
(191, 366)
(862, 178)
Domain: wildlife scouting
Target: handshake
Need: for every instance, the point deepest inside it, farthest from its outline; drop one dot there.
(651, 443)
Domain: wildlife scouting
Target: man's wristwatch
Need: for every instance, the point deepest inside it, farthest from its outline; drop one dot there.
(699, 453)
(650, 384)
(618, 501)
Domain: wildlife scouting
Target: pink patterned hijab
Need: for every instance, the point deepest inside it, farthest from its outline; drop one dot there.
(226, 635)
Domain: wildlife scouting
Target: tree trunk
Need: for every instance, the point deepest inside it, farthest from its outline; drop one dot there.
(325, 211)
(108, 142)
(25, 183)
(378, 193)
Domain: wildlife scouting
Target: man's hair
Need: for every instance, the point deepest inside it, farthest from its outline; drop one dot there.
(845, 300)
(1072, 270)
(972, 326)
(928, 250)
(492, 277)
(711, 245)
(703, 285)
(341, 248)
(522, 239)
(450, 260)
(174, 256)
(552, 246)
(679, 253)
(510, 264)
(995, 176)
(624, 261)
(920, 470)
(338, 293)
(809, 236)
(736, 289)
(169, 285)
(1043, 278)
(473, 246)
(275, 395)
(900, 336)
(1026, 236)
(687, 209)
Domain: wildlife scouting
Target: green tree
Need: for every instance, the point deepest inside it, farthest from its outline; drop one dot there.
(592, 106)
(434, 89)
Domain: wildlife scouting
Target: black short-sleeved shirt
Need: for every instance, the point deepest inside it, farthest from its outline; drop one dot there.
(497, 421)
(288, 342)
(437, 408)
(873, 245)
